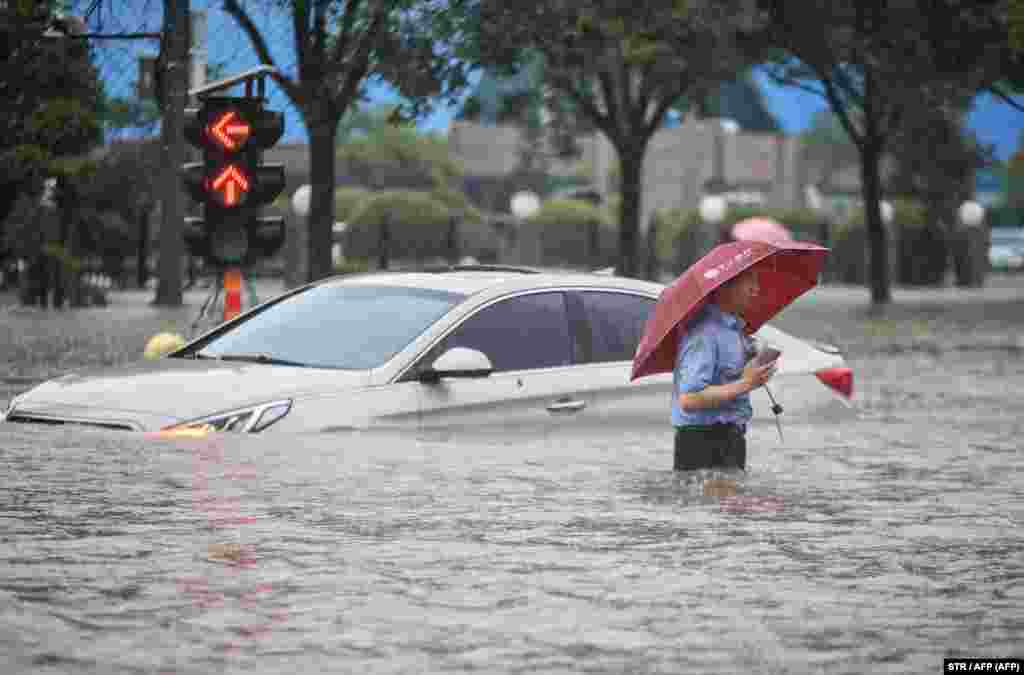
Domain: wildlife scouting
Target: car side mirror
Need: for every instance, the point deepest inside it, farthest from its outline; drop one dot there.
(458, 362)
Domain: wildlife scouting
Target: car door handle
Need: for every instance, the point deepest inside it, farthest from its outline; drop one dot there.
(567, 405)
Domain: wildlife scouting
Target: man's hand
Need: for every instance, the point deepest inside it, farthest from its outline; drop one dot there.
(758, 376)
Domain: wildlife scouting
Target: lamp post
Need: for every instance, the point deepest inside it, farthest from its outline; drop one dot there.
(712, 212)
(296, 246)
(973, 245)
(524, 205)
(972, 214)
(888, 213)
(452, 244)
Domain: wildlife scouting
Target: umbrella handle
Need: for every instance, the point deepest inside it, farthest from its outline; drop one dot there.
(777, 409)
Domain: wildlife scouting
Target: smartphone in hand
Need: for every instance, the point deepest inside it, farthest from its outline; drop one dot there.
(766, 356)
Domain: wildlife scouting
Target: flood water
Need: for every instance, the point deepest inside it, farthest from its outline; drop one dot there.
(880, 544)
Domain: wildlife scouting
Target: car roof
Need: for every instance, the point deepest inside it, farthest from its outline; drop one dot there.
(470, 280)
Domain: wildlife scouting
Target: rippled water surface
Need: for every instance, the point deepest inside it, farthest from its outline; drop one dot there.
(880, 544)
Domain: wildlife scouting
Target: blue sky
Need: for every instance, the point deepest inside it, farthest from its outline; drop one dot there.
(994, 121)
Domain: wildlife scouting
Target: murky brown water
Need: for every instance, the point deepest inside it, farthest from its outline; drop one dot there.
(878, 545)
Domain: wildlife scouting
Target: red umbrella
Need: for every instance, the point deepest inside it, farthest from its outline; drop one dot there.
(760, 229)
(787, 269)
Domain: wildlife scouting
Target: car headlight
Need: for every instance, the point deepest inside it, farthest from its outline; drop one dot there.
(243, 420)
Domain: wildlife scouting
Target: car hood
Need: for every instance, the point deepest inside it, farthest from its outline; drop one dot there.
(152, 394)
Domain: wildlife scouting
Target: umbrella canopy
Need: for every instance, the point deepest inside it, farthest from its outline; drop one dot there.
(787, 269)
(760, 229)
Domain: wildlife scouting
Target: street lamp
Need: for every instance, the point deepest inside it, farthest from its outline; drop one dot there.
(712, 209)
(712, 212)
(972, 214)
(973, 250)
(296, 253)
(301, 199)
(524, 204)
(887, 212)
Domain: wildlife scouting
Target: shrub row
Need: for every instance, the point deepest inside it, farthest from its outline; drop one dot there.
(919, 254)
(570, 232)
(415, 225)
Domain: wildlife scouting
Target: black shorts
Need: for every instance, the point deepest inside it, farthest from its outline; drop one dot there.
(713, 446)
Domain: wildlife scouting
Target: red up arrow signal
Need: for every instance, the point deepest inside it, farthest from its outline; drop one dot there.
(230, 185)
(229, 130)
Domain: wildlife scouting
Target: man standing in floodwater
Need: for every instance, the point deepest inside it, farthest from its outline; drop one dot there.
(713, 378)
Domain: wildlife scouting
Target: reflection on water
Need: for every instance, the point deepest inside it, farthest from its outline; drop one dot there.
(878, 545)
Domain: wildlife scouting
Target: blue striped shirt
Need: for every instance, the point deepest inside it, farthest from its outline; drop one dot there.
(712, 351)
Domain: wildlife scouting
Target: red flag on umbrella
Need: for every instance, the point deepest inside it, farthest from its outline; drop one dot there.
(787, 269)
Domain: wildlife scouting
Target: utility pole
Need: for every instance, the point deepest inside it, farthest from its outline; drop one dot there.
(176, 78)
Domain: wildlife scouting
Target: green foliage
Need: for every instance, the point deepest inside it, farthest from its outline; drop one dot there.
(883, 66)
(348, 201)
(919, 250)
(119, 114)
(1016, 21)
(352, 266)
(419, 47)
(644, 57)
(677, 238)
(679, 230)
(373, 141)
(573, 232)
(51, 94)
(454, 200)
(417, 228)
(381, 142)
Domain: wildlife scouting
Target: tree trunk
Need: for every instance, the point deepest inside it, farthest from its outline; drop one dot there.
(172, 243)
(452, 245)
(629, 214)
(384, 242)
(142, 250)
(651, 266)
(321, 213)
(871, 192)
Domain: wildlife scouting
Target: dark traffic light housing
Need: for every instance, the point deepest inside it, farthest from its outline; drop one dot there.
(231, 181)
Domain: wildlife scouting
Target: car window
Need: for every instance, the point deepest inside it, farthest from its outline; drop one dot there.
(616, 323)
(527, 331)
(337, 325)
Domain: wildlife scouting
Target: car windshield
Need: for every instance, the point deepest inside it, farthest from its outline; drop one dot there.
(335, 326)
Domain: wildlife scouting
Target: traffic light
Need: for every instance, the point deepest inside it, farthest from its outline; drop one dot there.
(232, 182)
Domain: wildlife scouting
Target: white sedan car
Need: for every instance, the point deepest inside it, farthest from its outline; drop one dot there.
(480, 347)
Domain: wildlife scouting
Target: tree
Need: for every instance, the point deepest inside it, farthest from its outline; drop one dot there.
(877, 62)
(827, 145)
(1017, 25)
(339, 45)
(623, 65)
(51, 93)
(1015, 177)
(126, 184)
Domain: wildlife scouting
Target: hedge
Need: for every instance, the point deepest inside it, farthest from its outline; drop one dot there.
(918, 252)
(418, 225)
(573, 232)
(347, 201)
(679, 238)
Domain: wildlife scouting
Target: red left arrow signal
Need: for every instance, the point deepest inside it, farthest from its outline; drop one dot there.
(229, 130)
(230, 185)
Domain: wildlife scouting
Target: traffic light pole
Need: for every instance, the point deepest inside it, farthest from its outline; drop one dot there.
(176, 78)
(233, 184)
(232, 282)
